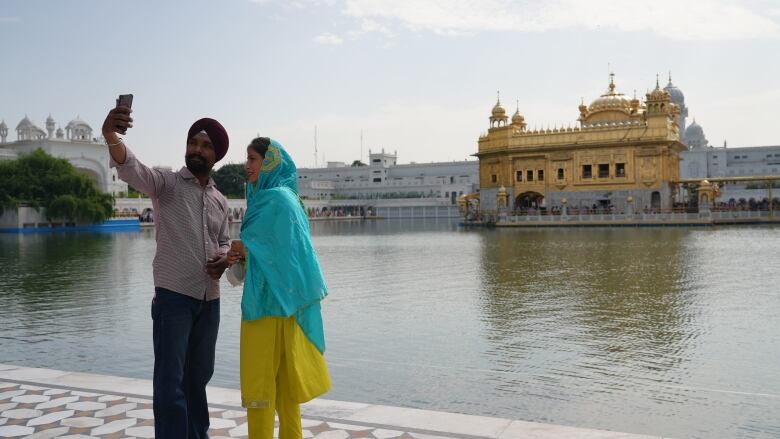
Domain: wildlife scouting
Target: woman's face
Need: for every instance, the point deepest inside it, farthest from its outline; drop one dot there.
(253, 163)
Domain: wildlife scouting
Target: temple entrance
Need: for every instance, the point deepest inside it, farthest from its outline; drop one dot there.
(529, 200)
(655, 200)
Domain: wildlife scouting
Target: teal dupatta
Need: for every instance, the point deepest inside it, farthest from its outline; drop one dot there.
(283, 273)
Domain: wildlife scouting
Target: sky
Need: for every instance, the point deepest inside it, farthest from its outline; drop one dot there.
(413, 76)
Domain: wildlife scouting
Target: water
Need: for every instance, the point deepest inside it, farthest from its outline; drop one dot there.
(658, 331)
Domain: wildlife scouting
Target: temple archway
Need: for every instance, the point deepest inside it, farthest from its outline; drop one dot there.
(528, 200)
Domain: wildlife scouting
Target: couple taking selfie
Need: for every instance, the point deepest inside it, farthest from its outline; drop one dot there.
(282, 339)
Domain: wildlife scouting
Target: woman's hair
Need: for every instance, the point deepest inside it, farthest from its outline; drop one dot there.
(260, 145)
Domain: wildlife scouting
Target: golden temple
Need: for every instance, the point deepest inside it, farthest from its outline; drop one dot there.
(622, 150)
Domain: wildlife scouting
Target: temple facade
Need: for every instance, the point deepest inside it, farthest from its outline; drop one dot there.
(621, 150)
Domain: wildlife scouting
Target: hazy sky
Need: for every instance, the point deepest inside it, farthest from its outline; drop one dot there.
(416, 76)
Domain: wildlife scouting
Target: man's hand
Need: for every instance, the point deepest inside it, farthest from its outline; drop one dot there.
(216, 266)
(118, 120)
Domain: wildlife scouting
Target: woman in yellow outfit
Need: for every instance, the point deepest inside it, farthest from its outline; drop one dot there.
(282, 337)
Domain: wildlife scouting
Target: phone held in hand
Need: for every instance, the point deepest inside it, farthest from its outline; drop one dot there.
(124, 101)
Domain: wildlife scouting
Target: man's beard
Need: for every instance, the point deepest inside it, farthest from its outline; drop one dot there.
(197, 164)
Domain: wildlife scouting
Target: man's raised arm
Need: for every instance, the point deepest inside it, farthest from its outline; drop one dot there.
(130, 170)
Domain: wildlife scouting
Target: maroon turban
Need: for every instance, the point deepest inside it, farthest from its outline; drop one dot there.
(216, 132)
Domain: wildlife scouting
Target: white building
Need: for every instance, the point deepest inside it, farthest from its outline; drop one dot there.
(709, 162)
(383, 178)
(75, 144)
(703, 160)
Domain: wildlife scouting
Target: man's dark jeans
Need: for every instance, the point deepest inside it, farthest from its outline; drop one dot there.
(184, 335)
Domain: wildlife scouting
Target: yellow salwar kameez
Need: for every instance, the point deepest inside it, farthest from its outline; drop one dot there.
(282, 334)
(280, 369)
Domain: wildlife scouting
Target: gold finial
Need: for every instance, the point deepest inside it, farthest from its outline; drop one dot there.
(611, 82)
(657, 83)
(498, 97)
(518, 105)
(670, 77)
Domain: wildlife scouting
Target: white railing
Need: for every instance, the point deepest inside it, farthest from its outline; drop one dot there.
(650, 217)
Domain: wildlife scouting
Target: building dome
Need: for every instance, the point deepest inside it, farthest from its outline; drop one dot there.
(498, 116)
(659, 94)
(498, 110)
(677, 95)
(78, 130)
(25, 124)
(694, 130)
(27, 130)
(694, 136)
(611, 100)
(77, 123)
(517, 118)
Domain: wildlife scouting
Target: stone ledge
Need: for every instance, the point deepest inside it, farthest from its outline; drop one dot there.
(326, 415)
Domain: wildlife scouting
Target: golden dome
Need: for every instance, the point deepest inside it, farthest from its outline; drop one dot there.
(659, 94)
(517, 118)
(498, 110)
(611, 100)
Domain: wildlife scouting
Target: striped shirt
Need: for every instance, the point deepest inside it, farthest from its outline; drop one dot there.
(191, 225)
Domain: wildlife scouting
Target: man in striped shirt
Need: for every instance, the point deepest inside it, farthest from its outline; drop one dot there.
(191, 225)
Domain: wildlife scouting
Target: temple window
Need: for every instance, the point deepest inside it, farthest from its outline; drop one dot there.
(519, 176)
(620, 169)
(494, 178)
(540, 175)
(587, 171)
(529, 175)
(560, 174)
(604, 170)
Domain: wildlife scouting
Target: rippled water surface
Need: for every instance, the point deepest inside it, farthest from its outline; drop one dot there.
(659, 331)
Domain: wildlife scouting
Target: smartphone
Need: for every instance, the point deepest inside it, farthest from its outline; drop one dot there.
(127, 101)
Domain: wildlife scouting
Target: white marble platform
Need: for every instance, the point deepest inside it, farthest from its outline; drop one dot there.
(47, 403)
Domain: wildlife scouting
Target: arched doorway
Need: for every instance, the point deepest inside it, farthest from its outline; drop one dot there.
(528, 200)
(147, 216)
(655, 200)
(93, 175)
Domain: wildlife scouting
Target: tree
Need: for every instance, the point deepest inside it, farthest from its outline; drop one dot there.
(357, 163)
(135, 193)
(41, 180)
(230, 180)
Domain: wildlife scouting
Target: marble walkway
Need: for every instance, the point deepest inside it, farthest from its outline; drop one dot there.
(46, 403)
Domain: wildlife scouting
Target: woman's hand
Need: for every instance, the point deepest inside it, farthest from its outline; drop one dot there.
(234, 257)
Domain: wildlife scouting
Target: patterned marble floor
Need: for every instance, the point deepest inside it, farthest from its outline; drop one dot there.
(28, 411)
(48, 403)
